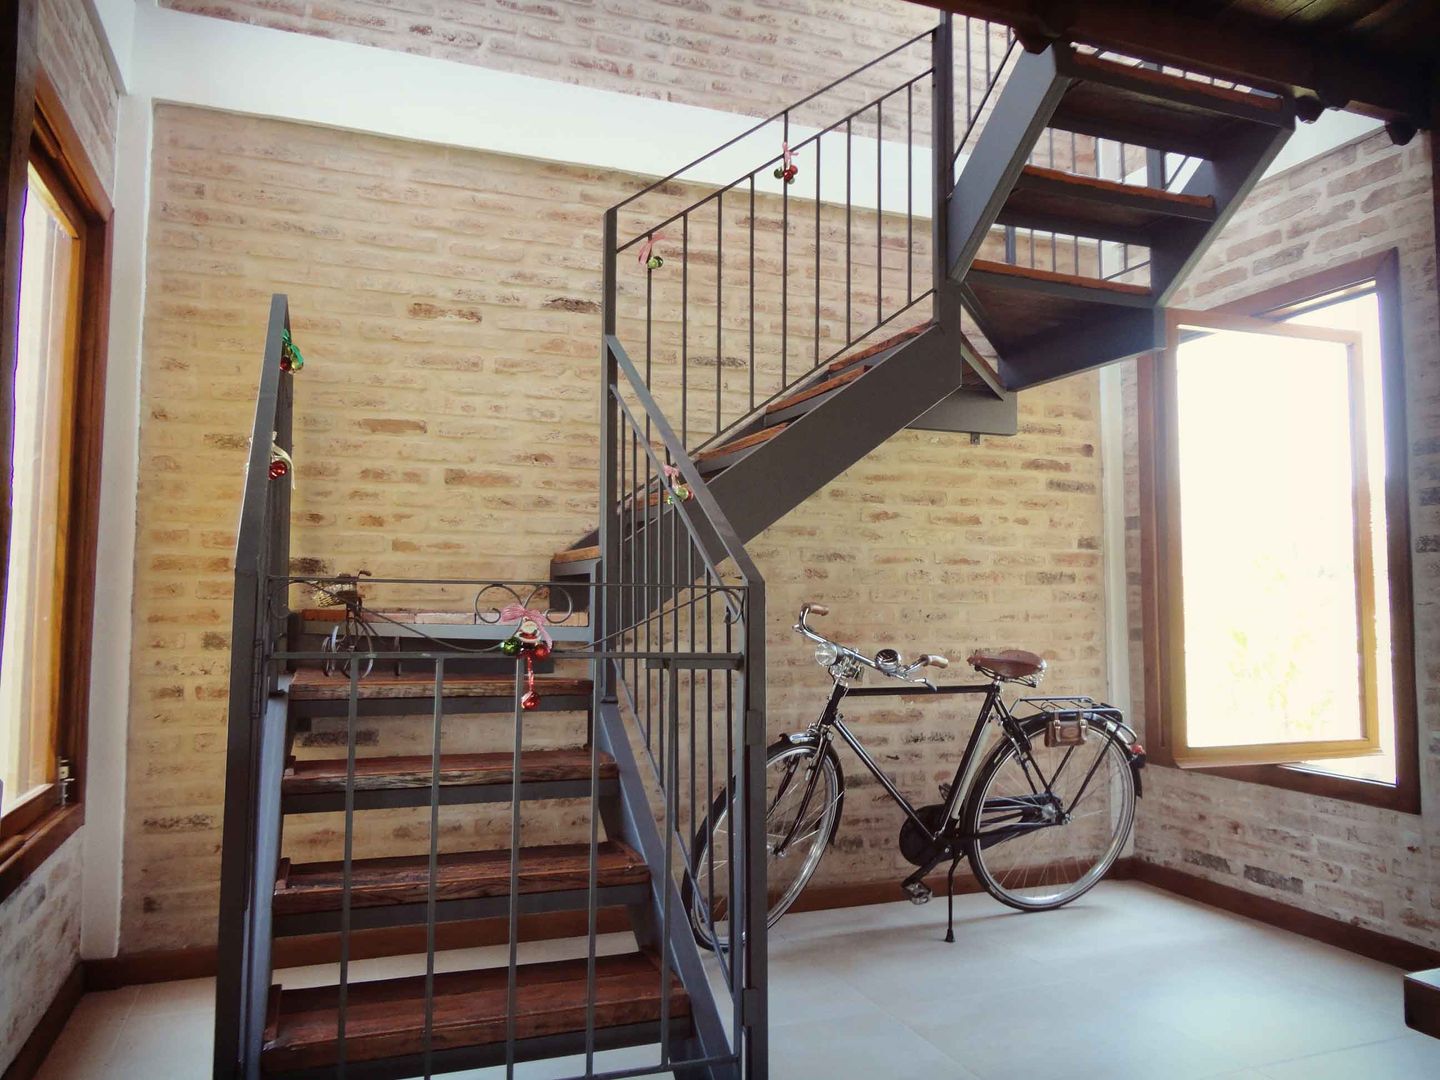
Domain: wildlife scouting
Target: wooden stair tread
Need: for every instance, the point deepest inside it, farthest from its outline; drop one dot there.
(316, 775)
(580, 554)
(1164, 82)
(1030, 273)
(879, 347)
(386, 1018)
(460, 875)
(742, 443)
(1092, 183)
(312, 684)
(815, 390)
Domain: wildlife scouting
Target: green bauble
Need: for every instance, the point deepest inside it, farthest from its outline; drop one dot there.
(510, 646)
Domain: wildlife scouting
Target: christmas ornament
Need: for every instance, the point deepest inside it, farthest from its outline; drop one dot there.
(531, 640)
(280, 462)
(679, 490)
(787, 169)
(290, 358)
(647, 256)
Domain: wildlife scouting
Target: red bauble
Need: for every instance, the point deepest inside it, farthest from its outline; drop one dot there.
(530, 700)
(541, 650)
(278, 469)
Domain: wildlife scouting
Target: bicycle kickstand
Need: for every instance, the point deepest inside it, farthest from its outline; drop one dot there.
(950, 902)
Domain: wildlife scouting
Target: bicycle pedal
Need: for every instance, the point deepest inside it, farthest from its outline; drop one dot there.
(919, 893)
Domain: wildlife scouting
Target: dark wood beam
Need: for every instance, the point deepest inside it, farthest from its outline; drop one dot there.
(1245, 49)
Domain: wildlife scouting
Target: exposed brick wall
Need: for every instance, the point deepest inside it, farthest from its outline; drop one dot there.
(39, 945)
(750, 56)
(72, 55)
(447, 302)
(1372, 867)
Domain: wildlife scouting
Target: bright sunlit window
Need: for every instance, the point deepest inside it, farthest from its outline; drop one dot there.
(49, 283)
(1278, 610)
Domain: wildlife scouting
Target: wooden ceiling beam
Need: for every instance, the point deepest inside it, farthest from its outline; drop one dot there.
(1245, 49)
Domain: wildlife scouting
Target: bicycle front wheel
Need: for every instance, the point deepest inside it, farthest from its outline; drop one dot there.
(1046, 824)
(802, 799)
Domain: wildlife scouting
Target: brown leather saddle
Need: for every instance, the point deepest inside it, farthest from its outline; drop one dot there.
(1008, 665)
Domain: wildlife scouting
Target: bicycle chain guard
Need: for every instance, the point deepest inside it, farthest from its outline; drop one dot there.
(915, 846)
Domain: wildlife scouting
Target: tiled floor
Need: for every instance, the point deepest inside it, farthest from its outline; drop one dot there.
(1128, 982)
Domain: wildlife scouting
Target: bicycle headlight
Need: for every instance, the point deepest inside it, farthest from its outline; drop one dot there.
(826, 654)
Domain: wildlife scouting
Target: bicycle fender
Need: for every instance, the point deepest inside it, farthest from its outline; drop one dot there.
(809, 740)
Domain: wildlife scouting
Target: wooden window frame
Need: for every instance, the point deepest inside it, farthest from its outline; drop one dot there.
(32, 830)
(1404, 795)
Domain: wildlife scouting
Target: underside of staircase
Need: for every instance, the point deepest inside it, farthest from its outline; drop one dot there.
(1072, 161)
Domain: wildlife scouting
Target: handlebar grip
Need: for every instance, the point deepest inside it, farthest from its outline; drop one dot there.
(817, 609)
(935, 661)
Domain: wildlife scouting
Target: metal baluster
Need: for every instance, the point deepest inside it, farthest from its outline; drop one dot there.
(685, 330)
(816, 360)
(512, 963)
(879, 212)
(719, 304)
(437, 712)
(848, 155)
(752, 290)
(671, 770)
(649, 334)
(592, 878)
(348, 860)
(785, 271)
(910, 187)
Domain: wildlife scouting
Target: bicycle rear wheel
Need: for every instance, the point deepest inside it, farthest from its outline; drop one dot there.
(1035, 848)
(799, 821)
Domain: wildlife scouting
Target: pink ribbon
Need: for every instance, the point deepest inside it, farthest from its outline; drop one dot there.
(672, 473)
(519, 613)
(785, 155)
(647, 247)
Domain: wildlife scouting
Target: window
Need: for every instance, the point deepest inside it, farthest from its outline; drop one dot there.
(54, 388)
(1275, 521)
(43, 419)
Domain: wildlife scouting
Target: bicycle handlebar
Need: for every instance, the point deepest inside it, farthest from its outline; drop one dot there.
(896, 670)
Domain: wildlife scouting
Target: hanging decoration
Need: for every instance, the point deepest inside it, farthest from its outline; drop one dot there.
(787, 169)
(646, 256)
(280, 462)
(530, 640)
(678, 491)
(290, 358)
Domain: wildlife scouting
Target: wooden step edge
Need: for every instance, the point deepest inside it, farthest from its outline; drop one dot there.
(311, 888)
(878, 348)
(1162, 81)
(387, 1016)
(575, 555)
(1150, 194)
(311, 684)
(308, 776)
(984, 266)
(816, 390)
(743, 443)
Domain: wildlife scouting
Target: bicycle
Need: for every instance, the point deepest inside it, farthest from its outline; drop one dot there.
(1012, 814)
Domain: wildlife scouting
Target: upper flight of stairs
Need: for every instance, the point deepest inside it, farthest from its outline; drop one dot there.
(1047, 322)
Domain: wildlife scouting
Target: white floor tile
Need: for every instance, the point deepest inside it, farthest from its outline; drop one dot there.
(1129, 983)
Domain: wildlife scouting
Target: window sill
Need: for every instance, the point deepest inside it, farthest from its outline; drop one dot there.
(1401, 797)
(21, 855)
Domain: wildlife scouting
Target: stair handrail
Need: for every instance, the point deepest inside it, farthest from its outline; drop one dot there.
(262, 558)
(783, 115)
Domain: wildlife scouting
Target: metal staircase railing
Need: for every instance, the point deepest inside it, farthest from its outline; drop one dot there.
(761, 282)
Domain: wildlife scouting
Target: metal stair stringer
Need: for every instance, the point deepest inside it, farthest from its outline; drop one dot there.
(783, 472)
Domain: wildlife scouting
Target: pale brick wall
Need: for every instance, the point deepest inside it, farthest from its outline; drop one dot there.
(447, 302)
(72, 55)
(1375, 868)
(749, 56)
(39, 945)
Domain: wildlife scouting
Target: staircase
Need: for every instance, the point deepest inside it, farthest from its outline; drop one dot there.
(759, 337)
